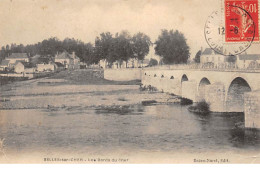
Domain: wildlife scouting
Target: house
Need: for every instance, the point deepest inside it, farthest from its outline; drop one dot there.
(210, 58)
(135, 63)
(24, 67)
(103, 64)
(248, 61)
(4, 65)
(16, 57)
(46, 67)
(131, 63)
(118, 64)
(43, 63)
(38, 59)
(59, 66)
(145, 62)
(70, 61)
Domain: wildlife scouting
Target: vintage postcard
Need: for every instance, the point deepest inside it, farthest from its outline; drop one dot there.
(129, 81)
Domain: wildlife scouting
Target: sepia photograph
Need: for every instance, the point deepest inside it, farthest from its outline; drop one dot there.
(129, 82)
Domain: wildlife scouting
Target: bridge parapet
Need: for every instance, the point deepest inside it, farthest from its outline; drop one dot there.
(223, 68)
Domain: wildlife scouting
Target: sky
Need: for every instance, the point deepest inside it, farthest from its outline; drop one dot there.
(31, 21)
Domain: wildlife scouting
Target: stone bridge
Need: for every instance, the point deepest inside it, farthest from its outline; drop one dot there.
(224, 90)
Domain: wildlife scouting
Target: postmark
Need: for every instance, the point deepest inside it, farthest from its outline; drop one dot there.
(234, 29)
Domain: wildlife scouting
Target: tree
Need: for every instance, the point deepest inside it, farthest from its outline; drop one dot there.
(172, 47)
(103, 47)
(3, 53)
(153, 62)
(88, 54)
(140, 45)
(49, 46)
(121, 48)
(197, 57)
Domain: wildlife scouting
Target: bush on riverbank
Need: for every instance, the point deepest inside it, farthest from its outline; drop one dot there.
(200, 107)
(185, 101)
(148, 88)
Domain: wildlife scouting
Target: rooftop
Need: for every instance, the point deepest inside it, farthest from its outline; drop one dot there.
(208, 51)
(249, 57)
(38, 59)
(4, 63)
(26, 64)
(59, 64)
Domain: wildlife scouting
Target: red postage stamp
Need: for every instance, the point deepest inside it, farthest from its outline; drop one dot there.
(241, 20)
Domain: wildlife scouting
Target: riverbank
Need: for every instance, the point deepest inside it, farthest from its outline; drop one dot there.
(89, 76)
(11, 79)
(6, 80)
(82, 76)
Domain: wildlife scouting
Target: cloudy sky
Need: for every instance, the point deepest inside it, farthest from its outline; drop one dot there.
(31, 21)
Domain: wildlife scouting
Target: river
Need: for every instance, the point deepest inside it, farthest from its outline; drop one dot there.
(47, 118)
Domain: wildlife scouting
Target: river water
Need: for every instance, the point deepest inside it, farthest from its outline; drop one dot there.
(42, 118)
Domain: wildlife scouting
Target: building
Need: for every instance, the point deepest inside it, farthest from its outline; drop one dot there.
(24, 67)
(70, 61)
(212, 59)
(39, 59)
(59, 66)
(14, 57)
(103, 64)
(131, 63)
(45, 67)
(242, 61)
(135, 63)
(4, 65)
(248, 61)
(118, 64)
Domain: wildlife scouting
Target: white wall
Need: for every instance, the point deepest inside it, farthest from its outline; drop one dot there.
(19, 68)
(44, 67)
(122, 74)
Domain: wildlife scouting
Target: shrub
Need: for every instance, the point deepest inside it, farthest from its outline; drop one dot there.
(121, 99)
(202, 106)
(185, 101)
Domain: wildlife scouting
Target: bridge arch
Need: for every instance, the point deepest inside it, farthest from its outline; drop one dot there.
(235, 94)
(184, 78)
(201, 87)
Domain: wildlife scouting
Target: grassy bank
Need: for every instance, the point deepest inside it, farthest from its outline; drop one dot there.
(84, 76)
(6, 80)
(89, 76)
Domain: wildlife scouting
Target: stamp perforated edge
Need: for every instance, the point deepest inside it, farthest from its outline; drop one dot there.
(222, 6)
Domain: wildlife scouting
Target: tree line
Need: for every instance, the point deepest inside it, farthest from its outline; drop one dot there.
(171, 46)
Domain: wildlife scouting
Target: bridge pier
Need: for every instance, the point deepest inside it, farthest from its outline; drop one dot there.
(187, 90)
(252, 109)
(215, 96)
